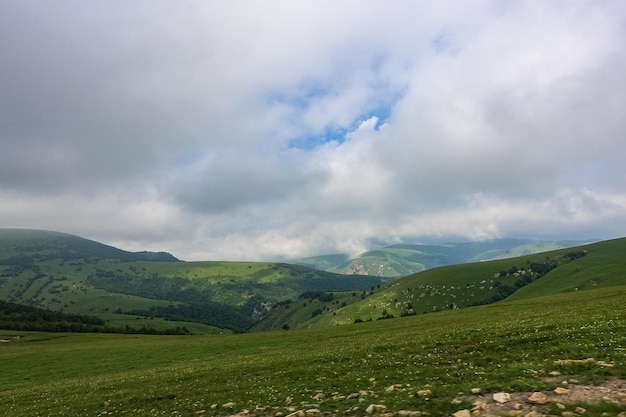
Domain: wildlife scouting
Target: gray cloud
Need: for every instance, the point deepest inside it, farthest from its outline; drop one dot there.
(243, 131)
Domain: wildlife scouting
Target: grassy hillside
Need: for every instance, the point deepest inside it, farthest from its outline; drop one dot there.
(603, 266)
(66, 273)
(459, 286)
(401, 260)
(426, 363)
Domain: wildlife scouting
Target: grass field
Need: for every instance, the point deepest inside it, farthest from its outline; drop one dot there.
(502, 347)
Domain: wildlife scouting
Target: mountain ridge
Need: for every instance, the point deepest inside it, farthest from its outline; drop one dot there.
(397, 260)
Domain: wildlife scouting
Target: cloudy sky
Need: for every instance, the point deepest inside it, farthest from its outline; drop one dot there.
(262, 130)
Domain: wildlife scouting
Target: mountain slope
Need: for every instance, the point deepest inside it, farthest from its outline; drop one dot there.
(457, 286)
(67, 273)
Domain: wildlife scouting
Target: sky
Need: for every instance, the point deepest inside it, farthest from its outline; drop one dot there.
(268, 130)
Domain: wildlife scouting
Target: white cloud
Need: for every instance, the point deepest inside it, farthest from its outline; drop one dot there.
(242, 131)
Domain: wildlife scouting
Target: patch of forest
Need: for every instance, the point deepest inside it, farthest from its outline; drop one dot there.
(25, 318)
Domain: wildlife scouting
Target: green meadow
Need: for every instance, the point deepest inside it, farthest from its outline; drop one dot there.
(507, 346)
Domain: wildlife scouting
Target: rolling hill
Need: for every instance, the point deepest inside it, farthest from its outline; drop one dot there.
(67, 273)
(395, 261)
(597, 265)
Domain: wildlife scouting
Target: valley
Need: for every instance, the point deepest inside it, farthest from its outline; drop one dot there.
(438, 342)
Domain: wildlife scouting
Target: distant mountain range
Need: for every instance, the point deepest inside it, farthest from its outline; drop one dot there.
(396, 261)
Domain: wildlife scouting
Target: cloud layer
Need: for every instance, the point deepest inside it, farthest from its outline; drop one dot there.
(256, 130)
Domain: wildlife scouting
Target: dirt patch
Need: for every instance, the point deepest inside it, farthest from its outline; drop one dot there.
(518, 404)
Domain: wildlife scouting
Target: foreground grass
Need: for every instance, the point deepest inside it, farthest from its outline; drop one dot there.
(504, 347)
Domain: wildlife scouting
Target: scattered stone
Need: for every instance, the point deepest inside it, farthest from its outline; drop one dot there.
(288, 400)
(478, 405)
(533, 414)
(312, 412)
(514, 413)
(229, 404)
(298, 413)
(580, 410)
(456, 401)
(419, 414)
(561, 391)
(318, 396)
(563, 362)
(555, 373)
(538, 398)
(390, 388)
(501, 397)
(568, 414)
(564, 383)
(475, 391)
(603, 364)
(574, 381)
(424, 392)
(462, 413)
(388, 415)
(375, 408)
(213, 406)
(339, 397)
(404, 413)
(279, 414)
(200, 412)
(354, 396)
(621, 396)
(560, 406)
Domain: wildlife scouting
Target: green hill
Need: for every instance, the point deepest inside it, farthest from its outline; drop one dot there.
(43, 244)
(396, 261)
(61, 272)
(458, 286)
